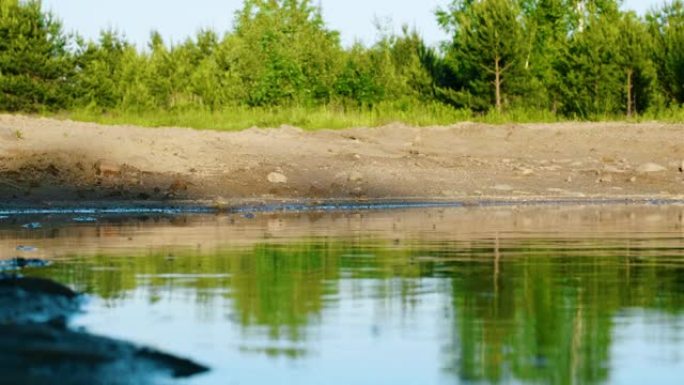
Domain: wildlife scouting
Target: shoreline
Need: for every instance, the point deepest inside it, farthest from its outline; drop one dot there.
(303, 206)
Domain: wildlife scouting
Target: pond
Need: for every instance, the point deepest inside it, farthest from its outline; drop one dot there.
(499, 295)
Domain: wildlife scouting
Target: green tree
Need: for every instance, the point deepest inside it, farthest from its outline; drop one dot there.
(98, 79)
(548, 25)
(357, 80)
(34, 63)
(635, 45)
(284, 52)
(593, 75)
(407, 52)
(488, 42)
(666, 26)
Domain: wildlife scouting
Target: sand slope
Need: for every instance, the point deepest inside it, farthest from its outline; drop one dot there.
(43, 160)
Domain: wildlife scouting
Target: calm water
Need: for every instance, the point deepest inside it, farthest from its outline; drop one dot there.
(549, 295)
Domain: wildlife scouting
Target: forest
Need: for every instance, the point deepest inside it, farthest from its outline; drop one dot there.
(515, 60)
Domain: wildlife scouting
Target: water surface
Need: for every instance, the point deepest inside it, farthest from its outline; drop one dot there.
(504, 295)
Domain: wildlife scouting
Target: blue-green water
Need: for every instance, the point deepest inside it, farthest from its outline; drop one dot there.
(430, 296)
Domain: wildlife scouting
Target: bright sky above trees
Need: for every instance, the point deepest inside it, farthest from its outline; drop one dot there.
(179, 19)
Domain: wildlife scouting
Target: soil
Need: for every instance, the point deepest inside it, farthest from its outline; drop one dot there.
(44, 161)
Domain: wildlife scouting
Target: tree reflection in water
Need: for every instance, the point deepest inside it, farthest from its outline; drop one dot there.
(518, 309)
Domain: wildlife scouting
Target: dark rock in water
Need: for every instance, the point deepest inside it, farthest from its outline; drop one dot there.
(36, 286)
(44, 354)
(178, 367)
(38, 347)
(25, 300)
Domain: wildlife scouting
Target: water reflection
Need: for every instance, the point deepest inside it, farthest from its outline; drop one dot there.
(503, 306)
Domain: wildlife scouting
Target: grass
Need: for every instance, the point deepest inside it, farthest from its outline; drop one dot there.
(327, 117)
(237, 118)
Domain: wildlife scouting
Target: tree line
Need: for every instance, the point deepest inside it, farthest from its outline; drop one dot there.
(574, 58)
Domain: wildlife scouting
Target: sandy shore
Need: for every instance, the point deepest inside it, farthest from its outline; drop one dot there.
(45, 160)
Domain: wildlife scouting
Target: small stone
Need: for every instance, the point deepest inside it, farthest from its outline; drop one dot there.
(451, 193)
(632, 179)
(681, 166)
(355, 176)
(613, 169)
(650, 167)
(277, 178)
(503, 187)
(357, 156)
(52, 170)
(106, 168)
(178, 185)
(526, 171)
(569, 179)
(605, 179)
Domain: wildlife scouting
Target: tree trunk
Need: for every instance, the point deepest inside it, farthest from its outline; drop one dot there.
(630, 74)
(497, 82)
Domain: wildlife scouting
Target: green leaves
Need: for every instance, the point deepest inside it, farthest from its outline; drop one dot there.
(666, 26)
(34, 64)
(488, 42)
(582, 58)
(285, 53)
(577, 58)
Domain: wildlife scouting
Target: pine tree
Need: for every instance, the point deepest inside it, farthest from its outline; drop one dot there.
(488, 40)
(34, 63)
(592, 67)
(98, 80)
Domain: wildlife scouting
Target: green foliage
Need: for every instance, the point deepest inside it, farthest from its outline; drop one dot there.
(666, 25)
(593, 75)
(488, 46)
(358, 80)
(99, 80)
(241, 117)
(506, 60)
(547, 24)
(284, 52)
(34, 63)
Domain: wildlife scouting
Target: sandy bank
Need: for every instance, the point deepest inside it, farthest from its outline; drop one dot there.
(45, 160)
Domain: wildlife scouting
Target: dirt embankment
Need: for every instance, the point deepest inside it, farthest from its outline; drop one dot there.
(44, 160)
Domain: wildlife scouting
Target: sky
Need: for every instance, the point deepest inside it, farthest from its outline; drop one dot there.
(178, 19)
